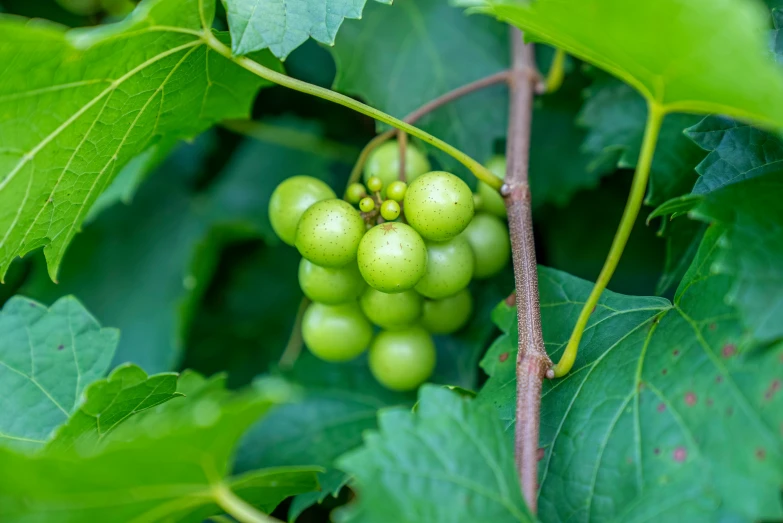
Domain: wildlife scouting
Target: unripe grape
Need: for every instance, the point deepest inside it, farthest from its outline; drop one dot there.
(390, 210)
(329, 233)
(367, 204)
(391, 311)
(488, 236)
(477, 202)
(384, 162)
(447, 315)
(355, 192)
(291, 199)
(492, 201)
(331, 285)
(374, 184)
(336, 332)
(396, 190)
(449, 268)
(403, 359)
(392, 257)
(438, 205)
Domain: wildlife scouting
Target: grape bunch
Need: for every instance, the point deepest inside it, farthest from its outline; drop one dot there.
(398, 256)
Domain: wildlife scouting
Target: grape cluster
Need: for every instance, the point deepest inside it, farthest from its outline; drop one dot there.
(392, 254)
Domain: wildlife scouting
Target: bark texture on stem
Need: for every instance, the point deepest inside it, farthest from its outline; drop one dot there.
(532, 360)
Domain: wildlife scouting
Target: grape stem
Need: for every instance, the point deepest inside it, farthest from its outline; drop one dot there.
(481, 172)
(238, 508)
(533, 363)
(294, 346)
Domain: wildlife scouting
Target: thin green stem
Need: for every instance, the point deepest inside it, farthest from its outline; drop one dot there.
(356, 172)
(655, 116)
(237, 508)
(481, 172)
(554, 78)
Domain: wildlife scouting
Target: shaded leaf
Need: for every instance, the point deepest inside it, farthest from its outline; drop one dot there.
(47, 358)
(448, 462)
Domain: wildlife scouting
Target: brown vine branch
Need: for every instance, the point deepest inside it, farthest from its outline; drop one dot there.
(411, 118)
(533, 364)
(402, 143)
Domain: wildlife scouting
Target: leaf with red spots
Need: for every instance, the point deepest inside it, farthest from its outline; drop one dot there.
(683, 446)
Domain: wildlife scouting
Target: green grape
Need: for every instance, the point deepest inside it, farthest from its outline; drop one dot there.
(390, 210)
(391, 311)
(478, 203)
(447, 315)
(396, 190)
(438, 205)
(392, 257)
(449, 268)
(488, 236)
(355, 192)
(402, 360)
(492, 201)
(291, 199)
(367, 204)
(330, 285)
(336, 332)
(329, 233)
(384, 162)
(375, 184)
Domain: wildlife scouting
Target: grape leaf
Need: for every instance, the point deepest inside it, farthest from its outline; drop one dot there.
(737, 152)
(111, 92)
(665, 416)
(339, 402)
(615, 116)
(449, 461)
(689, 70)
(683, 238)
(282, 27)
(400, 57)
(110, 401)
(47, 358)
(165, 464)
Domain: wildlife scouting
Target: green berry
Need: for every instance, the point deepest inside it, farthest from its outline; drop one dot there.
(492, 201)
(403, 359)
(329, 233)
(384, 162)
(355, 192)
(336, 332)
(330, 285)
(391, 311)
(477, 202)
(488, 236)
(449, 268)
(396, 190)
(291, 199)
(392, 257)
(367, 204)
(374, 184)
(449, 314)
(438, 205)
(390, 210)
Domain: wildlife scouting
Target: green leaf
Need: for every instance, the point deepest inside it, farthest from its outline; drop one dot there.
(737, 152)
(400, 57)
(113, 91)
(47, 358)
(683, 238)
(615, 116)
(749, 219)
(110, 401)
(448, 462)
(282, 27)
(666, 49)
(165, 464)
(339, 402)
(665, 415)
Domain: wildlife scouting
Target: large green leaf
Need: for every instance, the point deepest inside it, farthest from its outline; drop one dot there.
(162, 465)
(47, 359)
(110, 93)
(449, 461)
(615, 116)
(665, 415)
(705, 56)
(282, 27)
